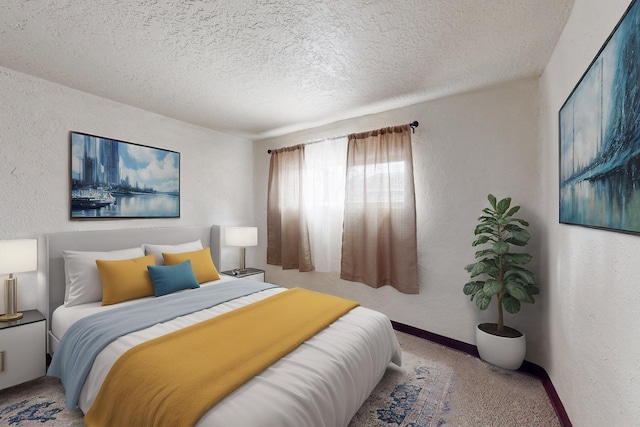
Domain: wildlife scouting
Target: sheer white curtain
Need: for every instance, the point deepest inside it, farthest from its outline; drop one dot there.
(324, 185)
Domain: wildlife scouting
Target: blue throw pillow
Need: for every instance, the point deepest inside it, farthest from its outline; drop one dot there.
(167, 279)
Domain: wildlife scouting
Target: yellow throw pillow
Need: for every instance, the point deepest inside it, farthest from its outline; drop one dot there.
(126, 279)
(201, 263)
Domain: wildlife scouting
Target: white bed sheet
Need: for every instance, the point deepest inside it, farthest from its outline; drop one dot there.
(320, 384)
(63, 317)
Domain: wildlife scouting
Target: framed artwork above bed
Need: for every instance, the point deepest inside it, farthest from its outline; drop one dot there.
(118, 179)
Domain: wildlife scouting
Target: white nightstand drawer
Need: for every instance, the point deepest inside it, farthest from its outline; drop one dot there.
(22, 353)
(259, 277)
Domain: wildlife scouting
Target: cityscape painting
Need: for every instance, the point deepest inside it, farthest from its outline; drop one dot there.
(117, 179)
(600, 136)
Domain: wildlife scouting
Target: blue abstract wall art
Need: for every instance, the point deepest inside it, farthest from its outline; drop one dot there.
(117, 179)
(600, 136)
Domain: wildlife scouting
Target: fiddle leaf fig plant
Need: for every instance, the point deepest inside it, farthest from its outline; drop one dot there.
(498, 271)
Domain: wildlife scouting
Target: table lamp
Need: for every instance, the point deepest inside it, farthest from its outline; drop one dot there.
(243, 237)
(16, 256)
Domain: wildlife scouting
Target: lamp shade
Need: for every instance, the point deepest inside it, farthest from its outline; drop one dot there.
(241, 236)
(17, 256)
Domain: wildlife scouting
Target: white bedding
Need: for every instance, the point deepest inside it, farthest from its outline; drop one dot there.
(63, 317)
(321, 383)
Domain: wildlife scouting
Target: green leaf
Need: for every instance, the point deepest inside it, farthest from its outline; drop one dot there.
(484, 266)
(513, 227)
(510, 304)
(501, 248)
(492, 200)
(519, 258)
(491, 287)
(478, 268)
(503, 205)
(489, 212)
(518, 236)
(510, 275)
(516, 242)
(490, 267)
(472, 287)
(513, 210)
(481, 240)
(525, 275)
(521, 221)
(482, 300)
(482, 229)
(533, 289)
(517, 291)
(484, 253)
(494, 273)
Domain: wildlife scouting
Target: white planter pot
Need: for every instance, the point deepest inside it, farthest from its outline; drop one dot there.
(507, 353)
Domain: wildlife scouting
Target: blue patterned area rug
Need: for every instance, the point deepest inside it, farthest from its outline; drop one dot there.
(416, 395)
(36, 403)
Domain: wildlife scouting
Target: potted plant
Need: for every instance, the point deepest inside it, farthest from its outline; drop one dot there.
(499, 272)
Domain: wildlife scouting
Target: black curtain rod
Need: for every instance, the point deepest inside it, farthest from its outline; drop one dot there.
(414, 124)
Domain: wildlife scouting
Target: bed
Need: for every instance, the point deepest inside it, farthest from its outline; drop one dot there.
(322, 382)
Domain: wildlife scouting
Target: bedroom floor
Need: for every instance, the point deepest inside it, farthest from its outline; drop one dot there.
(436, 386)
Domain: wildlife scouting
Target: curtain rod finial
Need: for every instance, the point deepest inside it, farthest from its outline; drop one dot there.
(414, 124)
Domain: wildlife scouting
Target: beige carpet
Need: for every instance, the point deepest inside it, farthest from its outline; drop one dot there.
(436, 386)
(479, 394)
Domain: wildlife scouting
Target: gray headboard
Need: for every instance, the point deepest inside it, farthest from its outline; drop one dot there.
(109, 240)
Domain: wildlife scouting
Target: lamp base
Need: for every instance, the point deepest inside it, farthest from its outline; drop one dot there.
(243, 268)
(10, 317)
(10, 300)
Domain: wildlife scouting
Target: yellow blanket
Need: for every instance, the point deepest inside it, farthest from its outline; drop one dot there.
(175, 379)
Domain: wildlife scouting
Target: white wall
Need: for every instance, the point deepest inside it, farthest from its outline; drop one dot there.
(36, 117)
(466, 147)
(592, 309)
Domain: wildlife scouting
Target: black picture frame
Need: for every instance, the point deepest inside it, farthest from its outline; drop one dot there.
(114, 179)
(599, 133)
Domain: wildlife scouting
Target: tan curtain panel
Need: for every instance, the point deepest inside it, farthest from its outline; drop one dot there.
(287, 232)
(379, 236)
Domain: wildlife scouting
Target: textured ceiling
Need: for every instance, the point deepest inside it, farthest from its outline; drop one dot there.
(263, 68)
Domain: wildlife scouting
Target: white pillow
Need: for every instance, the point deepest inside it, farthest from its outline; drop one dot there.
(157, 250)
(82, 280)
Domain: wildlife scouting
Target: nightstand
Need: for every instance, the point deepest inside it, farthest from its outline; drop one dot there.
(252, 274)
(22, 349)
